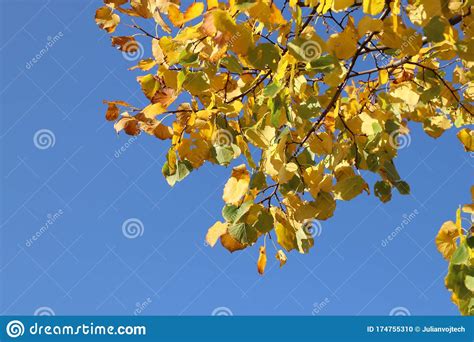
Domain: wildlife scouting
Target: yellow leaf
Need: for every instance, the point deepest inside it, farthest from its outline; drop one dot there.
(466, 136)
(373, 7)
(285, 232)
(237, 185)
(281, 257)
(212, 4)
(446, 239)
(383, 76)
(215, 232)
(152, 110)
(179, 19)
(262, 260)
(344, 45)
(339, 5)
(368, 24)
(107, 19)
(145, 64)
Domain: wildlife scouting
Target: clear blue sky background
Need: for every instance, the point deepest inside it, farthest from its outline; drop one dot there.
(83, 263)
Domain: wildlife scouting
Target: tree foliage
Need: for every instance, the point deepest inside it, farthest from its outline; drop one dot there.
(309, 96)
(455, 241)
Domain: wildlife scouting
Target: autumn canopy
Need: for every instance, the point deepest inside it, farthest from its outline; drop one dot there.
(305, 98)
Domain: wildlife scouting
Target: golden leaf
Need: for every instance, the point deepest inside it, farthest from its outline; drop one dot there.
(237, 185)
(262, 260)
(281, 257)
(446, 239)
(215, 232)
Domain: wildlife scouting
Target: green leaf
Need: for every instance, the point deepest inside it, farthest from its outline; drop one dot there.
(349, 187)
(223, 154)
(183, 169)
(403, 187)
(383, 191)
(272, 89)
(469, 282)
(244, 233)
(264, 222)
(461, 255)
(325, 206)
(258, 181)
(232, 64)
(264, 56)
(434, 31)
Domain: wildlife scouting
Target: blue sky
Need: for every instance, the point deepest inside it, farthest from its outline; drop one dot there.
(82, 262)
